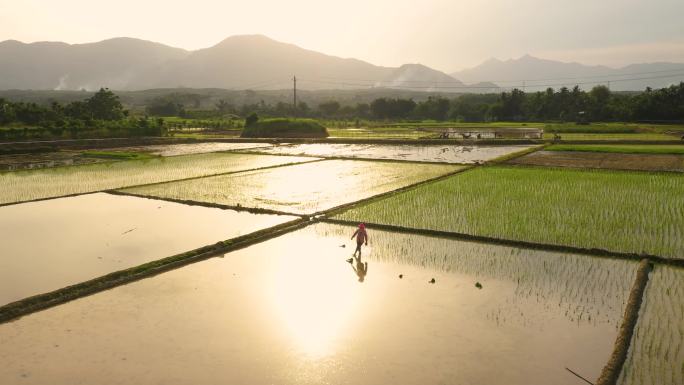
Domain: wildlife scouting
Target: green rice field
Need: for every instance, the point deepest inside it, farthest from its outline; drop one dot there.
(656, 355)
(28, 185)
(300, 189)
(629, 212)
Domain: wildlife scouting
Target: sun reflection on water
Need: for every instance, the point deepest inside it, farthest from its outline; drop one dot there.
(315, 295)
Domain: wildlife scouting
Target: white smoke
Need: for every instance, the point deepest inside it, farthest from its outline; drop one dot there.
(62, 83)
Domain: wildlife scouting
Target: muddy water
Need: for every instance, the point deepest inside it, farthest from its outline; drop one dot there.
(432, 153)
(51, 244)
(303, 188)
(292, 311)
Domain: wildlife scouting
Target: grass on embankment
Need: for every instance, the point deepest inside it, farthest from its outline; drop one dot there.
(115, 155)
(628, 212)
(620, 149)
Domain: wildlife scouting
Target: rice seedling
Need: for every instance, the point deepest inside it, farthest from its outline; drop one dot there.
(618, 211)
(577, 287)
(47, 183)
(304, 188)
(656, 354)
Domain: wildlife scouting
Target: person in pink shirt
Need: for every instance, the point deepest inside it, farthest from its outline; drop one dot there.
(361, 238)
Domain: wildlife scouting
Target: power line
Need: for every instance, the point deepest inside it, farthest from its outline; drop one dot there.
(440, 85)
(518, 81)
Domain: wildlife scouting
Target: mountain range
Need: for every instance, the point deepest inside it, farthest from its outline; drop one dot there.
(258, 62)
(537, 74)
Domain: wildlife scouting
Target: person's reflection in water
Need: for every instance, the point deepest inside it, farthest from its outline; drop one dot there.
(361, 268)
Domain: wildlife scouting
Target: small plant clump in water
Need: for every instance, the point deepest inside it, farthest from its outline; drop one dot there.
(478, 285)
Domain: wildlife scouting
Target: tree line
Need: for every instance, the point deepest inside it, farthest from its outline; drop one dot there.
(101, 115)
(564, 104)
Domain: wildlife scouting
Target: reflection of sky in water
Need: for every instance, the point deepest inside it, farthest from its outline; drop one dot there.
(35, 184)
(431, 153)
(292, 311)
(304, 188)
(50, 244)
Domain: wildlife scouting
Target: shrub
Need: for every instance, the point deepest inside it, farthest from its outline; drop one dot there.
(285, 128)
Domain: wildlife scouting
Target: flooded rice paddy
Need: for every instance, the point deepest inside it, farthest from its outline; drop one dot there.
(430, 153)
(301, 189)
(13, 162)
(656, 355)
(292, 311)
(46, 183)
(628, 212)
(51, 244)
(190, 148)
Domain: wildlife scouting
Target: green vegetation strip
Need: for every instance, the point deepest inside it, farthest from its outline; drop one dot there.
(620, 149)
(611, 372)
(29, 305)
(115, 155)
(623, 212)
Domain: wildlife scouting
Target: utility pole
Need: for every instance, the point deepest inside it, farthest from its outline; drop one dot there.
(294, 79)
(523, 86)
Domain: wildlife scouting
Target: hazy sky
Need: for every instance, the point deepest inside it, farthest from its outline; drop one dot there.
(444, 34)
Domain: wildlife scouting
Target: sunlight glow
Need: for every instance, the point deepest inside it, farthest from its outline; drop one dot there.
(315, 297)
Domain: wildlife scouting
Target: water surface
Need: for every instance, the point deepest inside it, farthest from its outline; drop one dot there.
(416, 153)
(55, 243)
(28, 185)
(292, 311)
(302, 188)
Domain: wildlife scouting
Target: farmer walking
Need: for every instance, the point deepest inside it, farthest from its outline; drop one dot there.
(361, 238)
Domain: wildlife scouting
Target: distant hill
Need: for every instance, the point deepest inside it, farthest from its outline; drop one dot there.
(238, 62)
(259, 63)
(114, 63)
(538, 73)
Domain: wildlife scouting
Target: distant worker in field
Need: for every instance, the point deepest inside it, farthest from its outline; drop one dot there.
(361, 238)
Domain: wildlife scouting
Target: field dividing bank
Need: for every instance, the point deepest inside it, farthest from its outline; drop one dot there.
(303, 189)
(611, 372)
(656, 353)
(32, 185)
(619, 212)
(47, 300)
